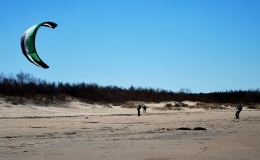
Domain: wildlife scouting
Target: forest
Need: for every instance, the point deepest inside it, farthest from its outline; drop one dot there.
(25, 85)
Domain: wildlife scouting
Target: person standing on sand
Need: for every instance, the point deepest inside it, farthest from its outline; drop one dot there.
(238, 110)
(138, 110)
(144, 109)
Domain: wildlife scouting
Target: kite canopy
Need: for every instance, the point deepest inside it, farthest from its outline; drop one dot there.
(28, 43)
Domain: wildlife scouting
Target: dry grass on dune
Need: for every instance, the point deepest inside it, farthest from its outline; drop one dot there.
(132, 104)
(170, 106)
(224, 106)
(16, 100)
(107, 106)
(211, 106)
(198, 105)
(167, 108)
(252, 106)
(129, 105)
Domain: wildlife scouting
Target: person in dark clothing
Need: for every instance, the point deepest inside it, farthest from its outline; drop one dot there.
(238, 110)
(138, 110)
(144, 109)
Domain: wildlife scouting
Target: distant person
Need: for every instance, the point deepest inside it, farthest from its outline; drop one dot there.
(238, 110)
(144, 109)
(138, 110)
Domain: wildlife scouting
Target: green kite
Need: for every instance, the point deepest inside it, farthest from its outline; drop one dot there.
(28, 43)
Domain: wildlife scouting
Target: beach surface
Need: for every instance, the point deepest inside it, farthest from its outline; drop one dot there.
(78, 130)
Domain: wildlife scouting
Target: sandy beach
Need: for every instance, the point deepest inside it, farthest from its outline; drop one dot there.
(77, 130)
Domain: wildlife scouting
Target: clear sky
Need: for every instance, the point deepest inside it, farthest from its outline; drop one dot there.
(202, 45)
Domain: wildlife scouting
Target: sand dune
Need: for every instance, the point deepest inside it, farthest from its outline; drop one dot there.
(78, 130)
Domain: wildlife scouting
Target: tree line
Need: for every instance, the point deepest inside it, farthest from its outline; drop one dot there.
(26, 86)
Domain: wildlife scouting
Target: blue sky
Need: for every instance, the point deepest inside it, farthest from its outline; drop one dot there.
(203, 45)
